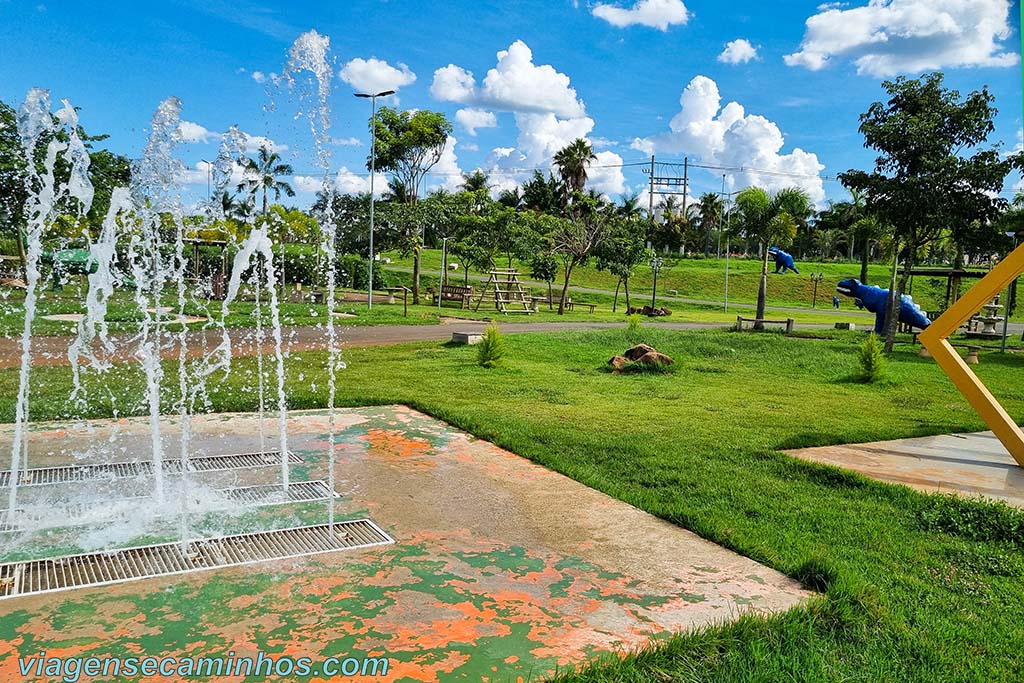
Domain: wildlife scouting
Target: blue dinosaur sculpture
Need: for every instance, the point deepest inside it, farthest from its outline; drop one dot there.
(783, 261)
(875, 298)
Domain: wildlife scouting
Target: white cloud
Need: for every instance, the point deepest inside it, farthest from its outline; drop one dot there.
(346, 141)
(446, 172)
(659, 14)
(738, 51)
(605, 174)
(259, 76)
(253, 143)
(888, 37)
(190, 132)
(730, 137)
(347, 182)
(602, 143)
(547, 111)
(375, 75)
(472, 119)
(514, 84)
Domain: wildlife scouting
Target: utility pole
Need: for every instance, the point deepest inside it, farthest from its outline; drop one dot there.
(686, 168)
(650, 193)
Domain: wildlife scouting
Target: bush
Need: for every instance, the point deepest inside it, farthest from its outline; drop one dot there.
(491, 349)
(354, 273)
(633, 322)
(872, 360)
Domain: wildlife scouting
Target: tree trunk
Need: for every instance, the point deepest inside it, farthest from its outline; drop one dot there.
(892, 306)
(565, 288)
(550, 305)
(864, 254)
(626, 287)
(762, 291)
(615, 301)
(416, 277)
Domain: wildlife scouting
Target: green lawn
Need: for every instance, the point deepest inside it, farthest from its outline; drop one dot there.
(916, 587)
(123, 314)
(705, 279)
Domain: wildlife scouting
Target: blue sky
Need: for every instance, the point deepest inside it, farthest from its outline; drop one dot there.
(613, 72)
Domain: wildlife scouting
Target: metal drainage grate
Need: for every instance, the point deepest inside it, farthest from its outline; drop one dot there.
(131, 564)
(258, 496)
(64, 474)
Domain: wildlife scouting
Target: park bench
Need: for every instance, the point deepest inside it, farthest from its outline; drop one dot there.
(788, 322)
(571, 305)
(455, 293)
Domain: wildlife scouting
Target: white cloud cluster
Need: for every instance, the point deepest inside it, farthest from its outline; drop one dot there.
(738, 51)
(514, 84)
(375, 75)
(190, 132)
(888, 37)
(472, 119)
(548, 114)
(728, 136)
(349, 182)
(259, 76)
(659, 14)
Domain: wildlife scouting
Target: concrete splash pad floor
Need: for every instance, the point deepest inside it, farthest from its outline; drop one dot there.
(502, 570)
(968, 465)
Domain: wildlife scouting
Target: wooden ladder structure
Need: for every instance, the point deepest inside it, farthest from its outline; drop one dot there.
(507, 290)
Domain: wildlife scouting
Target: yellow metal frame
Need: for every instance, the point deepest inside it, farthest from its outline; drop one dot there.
(935, 339)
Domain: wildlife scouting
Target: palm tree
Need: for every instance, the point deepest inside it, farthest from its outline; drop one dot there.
(709, 208)
(630, 209)
(262, 174)
(572, 162)
(513, 199)
(398, 192)
(475, 182)
(770, 220)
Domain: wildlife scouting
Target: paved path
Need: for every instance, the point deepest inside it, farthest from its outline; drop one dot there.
(53, 350)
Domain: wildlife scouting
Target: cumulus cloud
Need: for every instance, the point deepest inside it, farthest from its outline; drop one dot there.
(375, 75)
(472, 119)
(888, 37)
(348, 182)
(193, 132)
(259, 76)
(738, 51)
(659, 14)
(253, 143)
(730, 137)
(514, 84)
(446, 172)
(547, 110)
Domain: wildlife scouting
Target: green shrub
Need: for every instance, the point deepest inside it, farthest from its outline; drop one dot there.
(633, 322)
(872, 360)
(491, 349)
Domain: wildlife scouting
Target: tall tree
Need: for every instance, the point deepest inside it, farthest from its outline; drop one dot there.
(572, 162)
(933, 172)
(770, 220)
(409, 144)
(263, 174)
(622, 250)
(574, 239)
(709, 211)
(475, 182)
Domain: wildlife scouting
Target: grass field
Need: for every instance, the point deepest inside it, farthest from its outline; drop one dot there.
(705, 279)
(915, 587)
(123, 314)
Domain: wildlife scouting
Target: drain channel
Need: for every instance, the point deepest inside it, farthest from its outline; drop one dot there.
(165, 559)
(42, 476)
(255, 496)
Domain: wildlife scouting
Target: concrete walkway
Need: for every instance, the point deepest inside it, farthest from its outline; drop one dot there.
(53, 350)
(969, 465)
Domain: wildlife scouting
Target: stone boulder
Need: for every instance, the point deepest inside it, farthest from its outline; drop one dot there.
(637, 351)
(618, 362)
(655, 358)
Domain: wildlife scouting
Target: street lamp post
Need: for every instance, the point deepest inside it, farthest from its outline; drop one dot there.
(816, 279)
(656, 263)
(1006, 311)
(373, 169)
